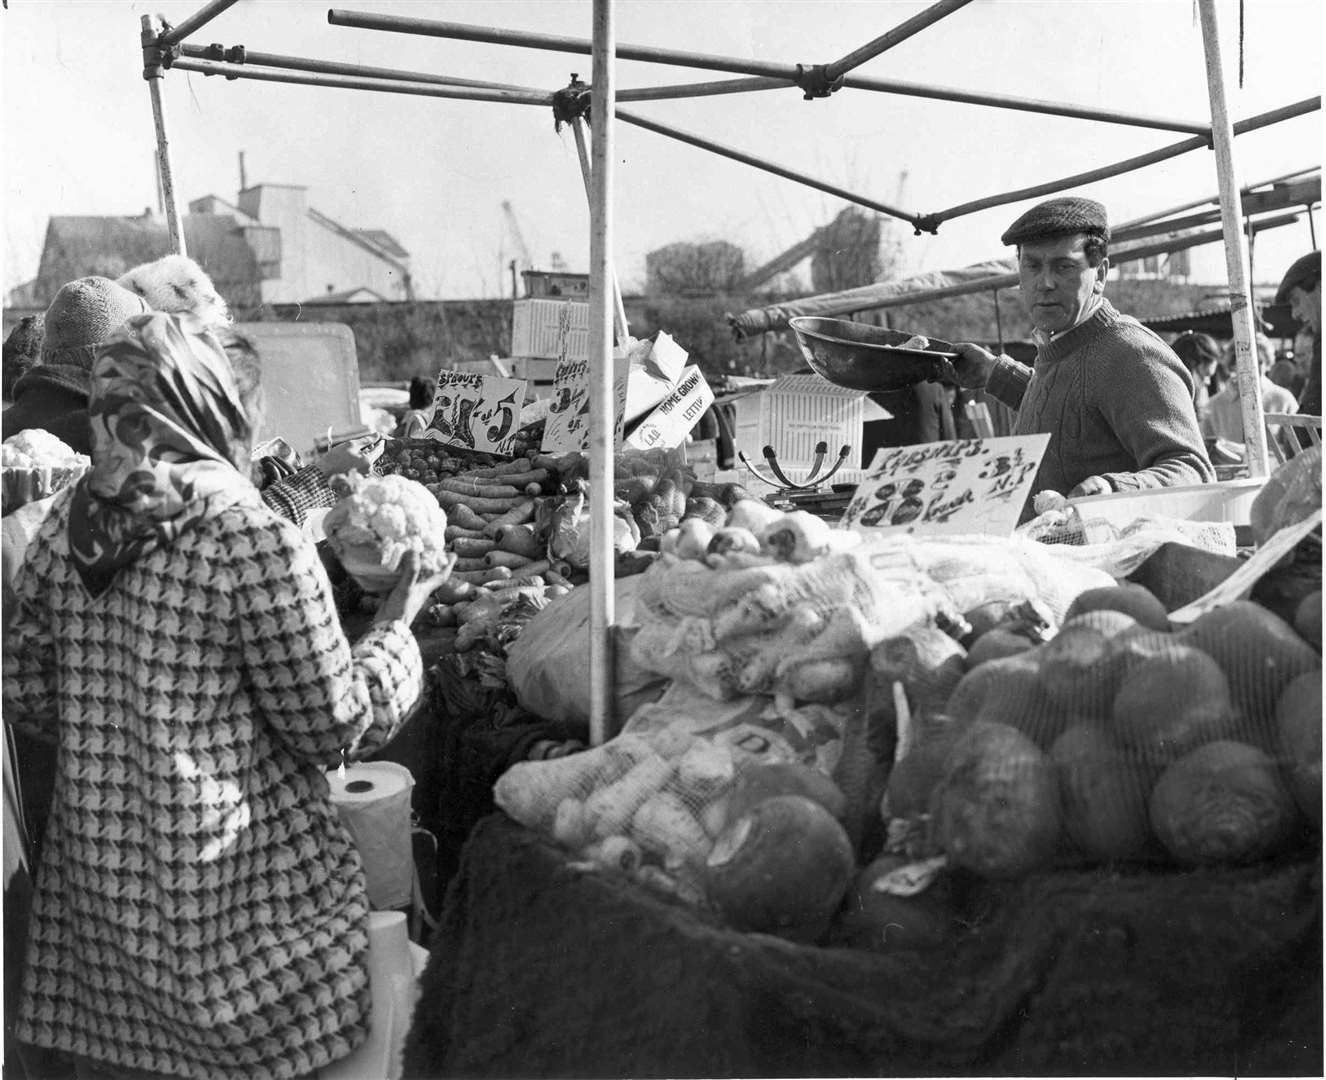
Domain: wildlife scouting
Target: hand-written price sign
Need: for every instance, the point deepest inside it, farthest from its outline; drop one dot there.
(968, 486)
(479, 412)
(567, 427)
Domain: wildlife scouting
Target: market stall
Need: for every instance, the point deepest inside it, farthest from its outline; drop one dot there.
(625, 650)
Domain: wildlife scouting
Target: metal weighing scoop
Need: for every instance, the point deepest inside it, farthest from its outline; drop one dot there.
(859, 356)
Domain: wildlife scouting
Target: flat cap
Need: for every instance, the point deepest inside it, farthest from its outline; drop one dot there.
(1306, 271)
(1059, 217)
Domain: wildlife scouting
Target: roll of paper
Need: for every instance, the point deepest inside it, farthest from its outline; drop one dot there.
(373, 799)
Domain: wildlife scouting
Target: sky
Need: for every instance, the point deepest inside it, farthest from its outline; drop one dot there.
(77, 136)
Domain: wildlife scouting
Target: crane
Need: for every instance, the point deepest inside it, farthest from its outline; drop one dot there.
(522, 261)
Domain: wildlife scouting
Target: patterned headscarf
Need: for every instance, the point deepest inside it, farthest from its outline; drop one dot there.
(167, 429)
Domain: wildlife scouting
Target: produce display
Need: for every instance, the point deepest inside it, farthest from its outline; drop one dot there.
(937, 707)
(1115, 740)
(377, 521)
(35, 464)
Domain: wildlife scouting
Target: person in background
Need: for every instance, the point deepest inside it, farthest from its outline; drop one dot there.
(53, 395)
(416, 418)
(200, 909)
(1286, 372)
(22, 352)
(1114, 399)
(1224, 413)
(1201, 356)
(918, 414)
(1301, 290)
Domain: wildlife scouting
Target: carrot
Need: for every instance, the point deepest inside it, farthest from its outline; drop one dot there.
(517, 515)
(514, 467)
(453, 531)
(463, 485)
(462, 515)
(506, 558)
(472, 547)
(466, 565)
(479, 504)
(452, 591)
(525, 581)
(514, 477)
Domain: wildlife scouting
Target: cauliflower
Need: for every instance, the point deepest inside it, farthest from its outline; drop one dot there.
(36, 448)
(382, 517)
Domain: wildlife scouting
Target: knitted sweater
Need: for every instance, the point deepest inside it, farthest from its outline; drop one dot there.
(1116, 402)
(200, 909)
(52, 397)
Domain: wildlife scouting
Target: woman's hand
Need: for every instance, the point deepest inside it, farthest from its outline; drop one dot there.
(412, 590)
(350, 457)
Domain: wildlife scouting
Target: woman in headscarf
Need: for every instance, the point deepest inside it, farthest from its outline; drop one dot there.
(200, 909)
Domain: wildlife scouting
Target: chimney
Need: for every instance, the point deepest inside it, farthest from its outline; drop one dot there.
(243, 180)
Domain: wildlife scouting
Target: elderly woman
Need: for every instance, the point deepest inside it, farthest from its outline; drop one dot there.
(200, 910)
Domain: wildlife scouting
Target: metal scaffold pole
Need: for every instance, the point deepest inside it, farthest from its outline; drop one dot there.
(153, 72)
(602, 399)
(1247, 368)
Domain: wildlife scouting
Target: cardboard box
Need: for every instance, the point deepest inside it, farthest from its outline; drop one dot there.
(537, 329)
(674, 417)
(532, 368)
(796, 413)
(656, 368)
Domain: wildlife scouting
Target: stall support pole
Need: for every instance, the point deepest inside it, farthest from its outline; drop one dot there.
(153, 73)
(601, 397)
(586, 170)
(1248, 371)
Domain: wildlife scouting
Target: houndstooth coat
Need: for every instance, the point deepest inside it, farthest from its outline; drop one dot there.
(200, 910)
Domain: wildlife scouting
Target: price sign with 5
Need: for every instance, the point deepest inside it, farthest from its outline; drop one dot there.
(478, 412)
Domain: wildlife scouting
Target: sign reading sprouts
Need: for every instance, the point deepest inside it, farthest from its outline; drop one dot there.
(478, 412)
(968, 486)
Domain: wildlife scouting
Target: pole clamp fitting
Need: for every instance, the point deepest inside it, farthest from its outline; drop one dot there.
(815, 82)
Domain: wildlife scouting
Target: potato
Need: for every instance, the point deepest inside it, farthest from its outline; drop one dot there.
(1076, 665)
(1222, 803)
(1128, 597)
(1008, 691)
(1103, 793)
(782, 868)
(1171, 703)
(996, 809)
(1260, 655)
(997, 643)
(1298, 720)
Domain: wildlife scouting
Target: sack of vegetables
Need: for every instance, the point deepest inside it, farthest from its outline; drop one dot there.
(758, 841)
(1123, 737)
(377, 520)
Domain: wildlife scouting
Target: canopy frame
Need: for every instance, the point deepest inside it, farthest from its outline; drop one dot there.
(165, 47)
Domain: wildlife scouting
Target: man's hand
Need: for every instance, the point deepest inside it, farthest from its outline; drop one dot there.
(350, 457)
(1092, 485)
(412, 591)
(973, 365)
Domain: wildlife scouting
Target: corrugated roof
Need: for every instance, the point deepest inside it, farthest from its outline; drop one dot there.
(385, 241)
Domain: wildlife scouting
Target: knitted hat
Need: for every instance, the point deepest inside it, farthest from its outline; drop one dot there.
(83, 314)
(1059, 217)
(177, 284)
(1305, 273)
